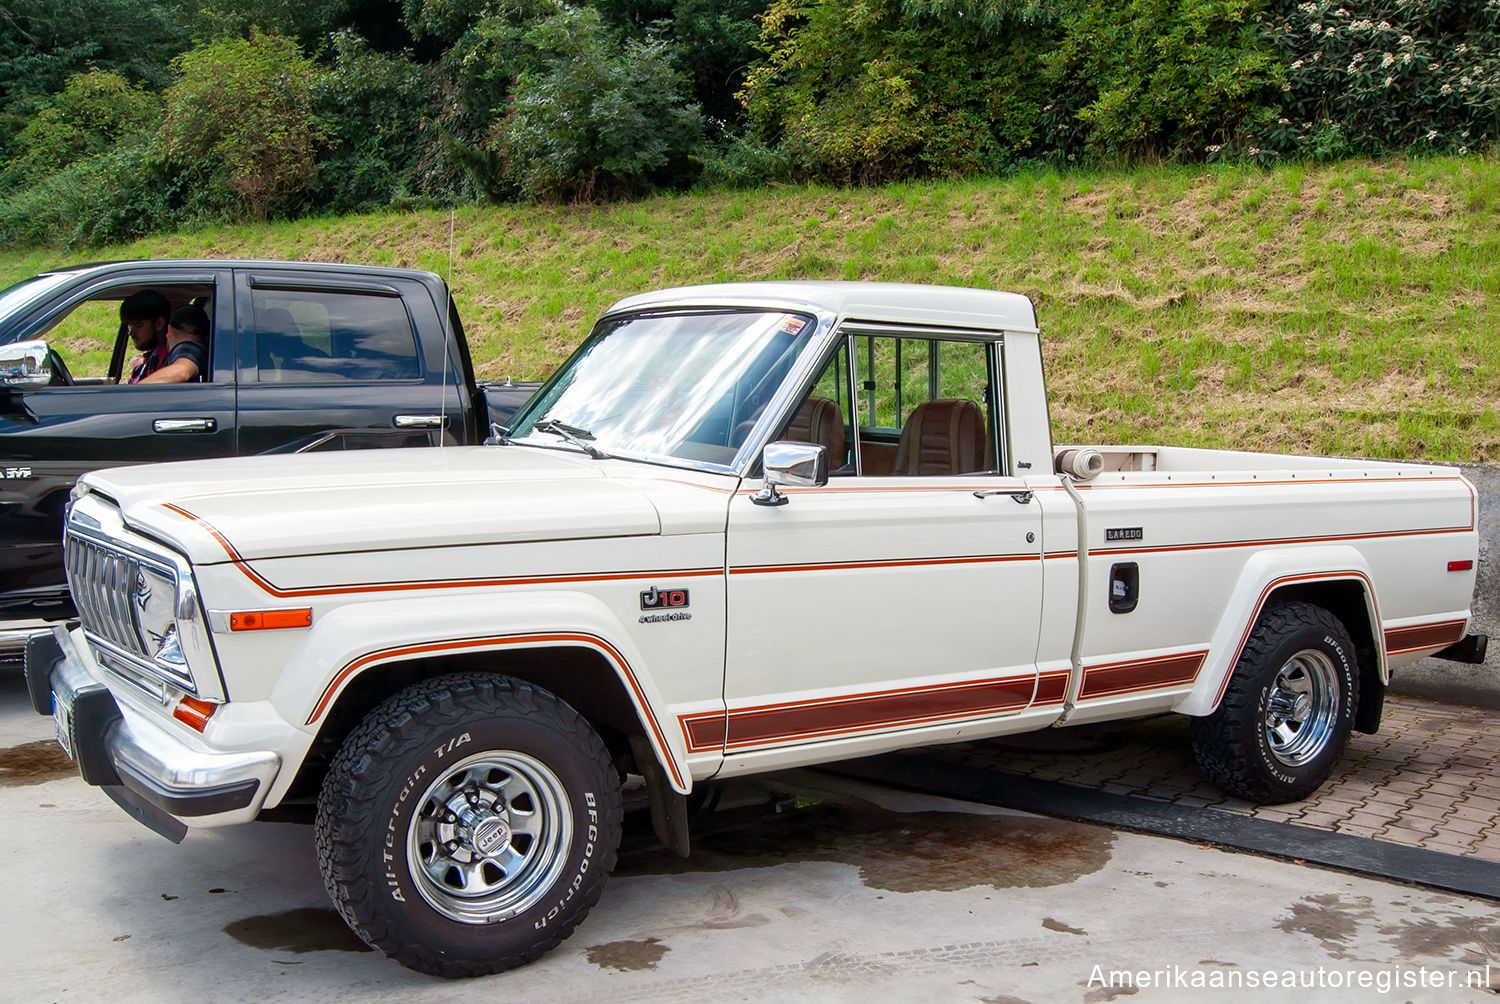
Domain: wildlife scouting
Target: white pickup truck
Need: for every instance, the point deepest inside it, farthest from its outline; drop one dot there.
(746, 527)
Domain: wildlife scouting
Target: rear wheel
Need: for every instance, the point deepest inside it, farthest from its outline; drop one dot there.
(468, 825)
(1287, 711)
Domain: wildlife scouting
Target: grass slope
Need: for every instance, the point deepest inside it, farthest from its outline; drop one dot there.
(1349, 309)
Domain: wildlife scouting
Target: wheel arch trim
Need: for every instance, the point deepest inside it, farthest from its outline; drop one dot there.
(1265, 575)
(660, 742)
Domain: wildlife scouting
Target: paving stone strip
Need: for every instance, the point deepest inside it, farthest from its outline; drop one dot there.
(1426, 779)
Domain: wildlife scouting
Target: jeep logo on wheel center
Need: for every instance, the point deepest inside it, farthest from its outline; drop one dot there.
(491, 835)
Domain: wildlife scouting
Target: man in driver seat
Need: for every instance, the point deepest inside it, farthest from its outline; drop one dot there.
(143, 315)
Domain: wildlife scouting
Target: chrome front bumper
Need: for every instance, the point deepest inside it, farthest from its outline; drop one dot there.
(150, 771)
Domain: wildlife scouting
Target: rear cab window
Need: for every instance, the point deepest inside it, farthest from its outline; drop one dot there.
(332, 336)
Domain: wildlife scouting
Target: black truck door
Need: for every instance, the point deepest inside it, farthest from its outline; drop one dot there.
(359, 356)
(50, 436)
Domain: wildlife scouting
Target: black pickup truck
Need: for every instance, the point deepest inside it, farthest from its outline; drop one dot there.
(302, 357)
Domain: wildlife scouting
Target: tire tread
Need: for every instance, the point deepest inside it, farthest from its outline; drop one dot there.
(347, 809)
(1225, 744)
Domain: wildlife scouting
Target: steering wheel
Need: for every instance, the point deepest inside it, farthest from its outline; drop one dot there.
(60, 373)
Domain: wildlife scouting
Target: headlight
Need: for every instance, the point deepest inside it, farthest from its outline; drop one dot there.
(153, 601)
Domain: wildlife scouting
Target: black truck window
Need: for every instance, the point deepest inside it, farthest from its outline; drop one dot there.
(315, 336)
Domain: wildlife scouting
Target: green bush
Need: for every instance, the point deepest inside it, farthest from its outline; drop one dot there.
(373, 106)
(45, 42)
(736, 160)
(108, 198)
(887, 89)
(1158, 79)
(1366, 77)
(596, 118)
(711, 41)
(240, 123)
(92, 113)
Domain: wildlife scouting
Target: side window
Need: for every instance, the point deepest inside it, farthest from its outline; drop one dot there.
(925, 406)
(96, 346)
(306, 336)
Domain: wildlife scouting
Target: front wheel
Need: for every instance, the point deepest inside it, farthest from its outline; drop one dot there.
(1287, 711)
(468, 825)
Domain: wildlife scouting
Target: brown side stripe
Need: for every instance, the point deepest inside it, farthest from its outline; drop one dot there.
(1149, 674)
(1418, 636)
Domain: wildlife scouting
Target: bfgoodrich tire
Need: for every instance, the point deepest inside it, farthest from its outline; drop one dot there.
(1288, 710)
(468, 825)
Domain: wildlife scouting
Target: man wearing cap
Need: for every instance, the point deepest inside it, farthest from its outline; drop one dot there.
(187, 348)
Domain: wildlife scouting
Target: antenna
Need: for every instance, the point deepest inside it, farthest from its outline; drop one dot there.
(447, 335)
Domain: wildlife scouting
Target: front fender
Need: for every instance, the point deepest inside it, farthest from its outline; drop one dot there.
(1262, 576)
(351, 639)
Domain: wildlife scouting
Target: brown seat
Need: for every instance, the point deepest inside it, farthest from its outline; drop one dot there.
(819, 420)
(942, 437)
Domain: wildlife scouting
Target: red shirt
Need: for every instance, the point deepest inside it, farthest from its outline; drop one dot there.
(150, 362)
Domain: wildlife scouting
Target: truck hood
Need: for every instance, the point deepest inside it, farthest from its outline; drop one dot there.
(283, 506)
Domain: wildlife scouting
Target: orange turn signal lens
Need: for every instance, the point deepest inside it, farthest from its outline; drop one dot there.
(194, 713)
(270, 620)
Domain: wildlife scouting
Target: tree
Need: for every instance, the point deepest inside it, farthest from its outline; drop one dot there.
(93, 112)
(45, 42)
(240, 120)
(596, 117)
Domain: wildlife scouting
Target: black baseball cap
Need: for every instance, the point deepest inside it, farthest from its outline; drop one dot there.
(190, 319)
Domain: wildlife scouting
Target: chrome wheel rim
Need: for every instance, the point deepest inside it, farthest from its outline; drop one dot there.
(489, 837)
(1302, 708)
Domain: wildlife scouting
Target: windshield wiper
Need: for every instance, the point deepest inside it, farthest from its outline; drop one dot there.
(578, 437)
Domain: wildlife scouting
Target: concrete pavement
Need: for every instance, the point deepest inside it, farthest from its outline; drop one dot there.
(853, 892)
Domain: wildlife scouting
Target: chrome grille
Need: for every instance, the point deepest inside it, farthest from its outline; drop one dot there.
(100, 579)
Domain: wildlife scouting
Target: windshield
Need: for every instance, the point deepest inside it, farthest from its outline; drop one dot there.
(22, 293)
(688, 386)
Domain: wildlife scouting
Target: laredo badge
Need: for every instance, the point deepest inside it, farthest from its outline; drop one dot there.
(674, 600)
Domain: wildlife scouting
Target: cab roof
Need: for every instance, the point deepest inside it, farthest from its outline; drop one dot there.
(880, 302)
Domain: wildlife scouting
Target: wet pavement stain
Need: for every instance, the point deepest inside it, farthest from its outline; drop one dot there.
(1475, 939)
(1329, 919)
(309, 929)
(34, 763)
(725, 914)
(627, 956)
(1060, 927)
(898, 852)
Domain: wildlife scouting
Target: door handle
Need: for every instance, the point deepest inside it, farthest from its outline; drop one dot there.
(184, 425)
(421, 421)
(1021, 495)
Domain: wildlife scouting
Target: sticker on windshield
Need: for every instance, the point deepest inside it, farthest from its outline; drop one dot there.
(793, 325)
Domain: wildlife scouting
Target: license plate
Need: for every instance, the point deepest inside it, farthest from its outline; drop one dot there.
(64, 726)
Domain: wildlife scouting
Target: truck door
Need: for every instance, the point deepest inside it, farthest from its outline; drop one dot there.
(87, 420)
(904, 597)
(321, 351)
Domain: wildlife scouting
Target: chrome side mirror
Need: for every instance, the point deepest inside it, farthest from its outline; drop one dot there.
(800, 465)
(25, 364)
